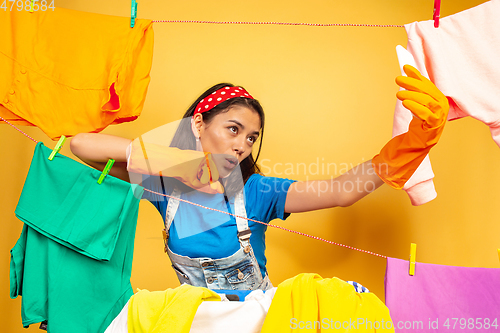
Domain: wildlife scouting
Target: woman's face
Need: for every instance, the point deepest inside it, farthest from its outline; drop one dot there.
(230, 137)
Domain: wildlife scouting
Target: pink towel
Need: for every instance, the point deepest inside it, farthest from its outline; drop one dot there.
(462, 58)
(442, 298)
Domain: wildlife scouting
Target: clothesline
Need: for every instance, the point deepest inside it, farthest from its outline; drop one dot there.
(284, 23)
(1, 118)
(270, 225)
(227, 213)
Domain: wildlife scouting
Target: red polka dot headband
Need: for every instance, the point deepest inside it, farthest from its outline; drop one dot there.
(219, 96)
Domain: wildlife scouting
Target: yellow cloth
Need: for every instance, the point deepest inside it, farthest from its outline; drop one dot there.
(313, 304)
(68, 72)
(169, 311)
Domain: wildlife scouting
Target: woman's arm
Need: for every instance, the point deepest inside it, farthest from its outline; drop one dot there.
(396, 162)
(342, 191)
(96, 149)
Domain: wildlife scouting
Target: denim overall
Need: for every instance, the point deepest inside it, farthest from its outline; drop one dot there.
(239, 271)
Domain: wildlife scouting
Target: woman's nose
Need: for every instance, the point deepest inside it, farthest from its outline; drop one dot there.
(239, 145)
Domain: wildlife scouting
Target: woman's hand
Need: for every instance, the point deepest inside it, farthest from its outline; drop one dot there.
(422, 98)
(194, 168)
(402, 155)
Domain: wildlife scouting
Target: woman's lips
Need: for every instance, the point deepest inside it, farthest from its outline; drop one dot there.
(231, 163)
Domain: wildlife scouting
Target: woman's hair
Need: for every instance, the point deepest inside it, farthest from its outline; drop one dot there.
(185, 139)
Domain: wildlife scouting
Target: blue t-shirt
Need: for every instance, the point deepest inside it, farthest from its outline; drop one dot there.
(197, 232)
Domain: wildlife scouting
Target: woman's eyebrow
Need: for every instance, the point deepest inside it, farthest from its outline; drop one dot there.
(242, 127)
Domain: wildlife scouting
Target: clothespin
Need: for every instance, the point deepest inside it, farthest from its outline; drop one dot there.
(57, 148)
(106, 170)
(437, 10)
(498, 254)
(133, 13)
(413, 255)
(31, 6)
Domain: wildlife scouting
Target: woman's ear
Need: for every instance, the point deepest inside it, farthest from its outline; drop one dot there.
(196, 124)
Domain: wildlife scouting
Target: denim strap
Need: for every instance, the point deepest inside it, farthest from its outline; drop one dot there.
(244, 232)
(172, 206)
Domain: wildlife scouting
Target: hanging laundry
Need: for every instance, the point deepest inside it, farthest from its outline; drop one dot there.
(461, 58)
(309, 302)
(68, 71)
(73, 261)
(171, 310)
(442, 298)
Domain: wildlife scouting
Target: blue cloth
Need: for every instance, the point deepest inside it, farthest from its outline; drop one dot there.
(240, 293)
(200, 233)
(358, 287)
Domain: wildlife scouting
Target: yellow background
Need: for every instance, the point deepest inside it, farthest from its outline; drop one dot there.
(329, 96)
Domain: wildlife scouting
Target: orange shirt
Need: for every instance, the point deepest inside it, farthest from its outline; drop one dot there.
(68, 71)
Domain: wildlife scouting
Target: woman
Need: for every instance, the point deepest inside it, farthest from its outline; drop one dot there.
(212, 152)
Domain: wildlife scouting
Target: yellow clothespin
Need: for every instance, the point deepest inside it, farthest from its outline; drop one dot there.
(498, 254)
(31, 6)
(106, 170)
(413, 256)
(58, 147)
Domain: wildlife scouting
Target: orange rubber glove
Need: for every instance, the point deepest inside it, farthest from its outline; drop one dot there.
(194, 168)
(401, 156)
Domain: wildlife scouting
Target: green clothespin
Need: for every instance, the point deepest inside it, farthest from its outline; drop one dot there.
(106, 170)
(31, 6)
(57, 148)
(133, 13)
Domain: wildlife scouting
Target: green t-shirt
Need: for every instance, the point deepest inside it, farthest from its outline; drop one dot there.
(73, 261)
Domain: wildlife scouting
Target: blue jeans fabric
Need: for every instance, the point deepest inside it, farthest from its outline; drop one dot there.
(239, 271)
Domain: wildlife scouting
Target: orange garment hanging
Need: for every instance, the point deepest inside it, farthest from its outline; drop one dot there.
(67, 71)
